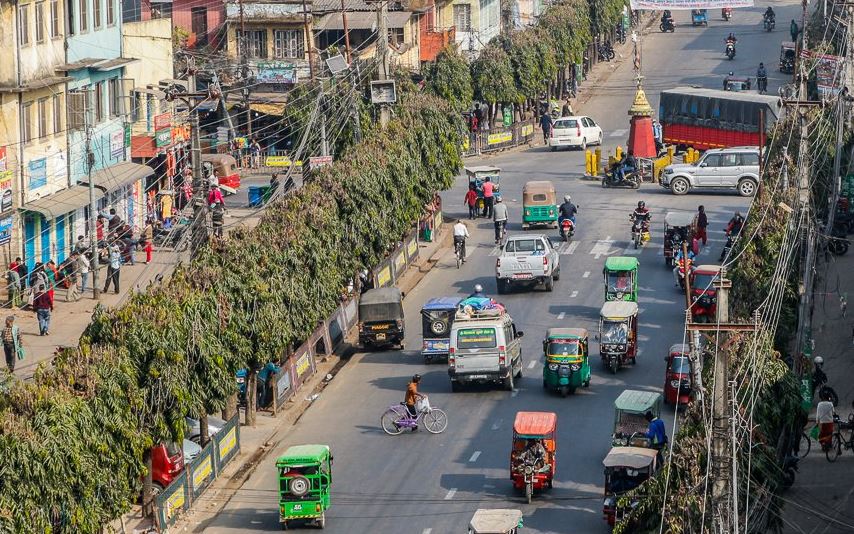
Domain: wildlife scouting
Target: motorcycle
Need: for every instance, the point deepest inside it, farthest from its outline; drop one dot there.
(567, 229)
(667, 25)
(762, 84)
(838, 243)
(819, 382)
(640, 231)
(630, 179)
(730, 50)
(726, 13)
(606, 51)
(768, 24)
(730, 242)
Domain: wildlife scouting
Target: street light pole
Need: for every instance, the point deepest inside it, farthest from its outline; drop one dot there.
(93, 207)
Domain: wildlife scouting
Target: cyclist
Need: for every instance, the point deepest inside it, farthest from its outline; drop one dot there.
(461, 232)
(412, 396)
(499, 217)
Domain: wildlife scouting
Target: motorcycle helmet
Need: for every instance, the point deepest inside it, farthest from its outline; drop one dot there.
(478, 288)
(416, 378)
(567, 198)
(730, 73)
(497, 199)
(818, 361)
(641, 204)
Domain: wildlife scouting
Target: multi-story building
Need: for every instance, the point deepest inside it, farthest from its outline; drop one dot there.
(33, 149)
(476, 22)
(201, 21)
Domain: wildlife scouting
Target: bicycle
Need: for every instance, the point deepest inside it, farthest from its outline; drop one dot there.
(397, 418)
(458, 252)
(838, 443)
(502, 232)
(803, 446)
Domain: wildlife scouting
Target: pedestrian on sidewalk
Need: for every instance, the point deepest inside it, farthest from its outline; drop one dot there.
(22, 273)
(824, 413)
(794, 31)
(43, 306)
(471, 201)
(488, 197)
(72, 293)
(274, 183)
(81, 246)
(83, 269)
(546, 123)
(566, 110)
(148, 240)
(702, 224)
(255, 151)
(13, 288)
(12, 346)
(52, 277)
(113, 269)
(38, 277)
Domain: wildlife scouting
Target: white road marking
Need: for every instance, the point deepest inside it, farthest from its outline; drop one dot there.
(496, 251)
(531, 364)
(474, 456)
(565, 249)
(451, 493)
(561, 315)
(602, 247)
(641, 309)
(660, 252)
(497, 424)
(427, 531)
(618, 133)
(586, 274)
(488, 486)
(573, 294)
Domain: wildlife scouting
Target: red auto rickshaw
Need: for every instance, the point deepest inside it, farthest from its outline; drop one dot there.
(704, 293)
(679, 376)
(225, 168)
(532, 460)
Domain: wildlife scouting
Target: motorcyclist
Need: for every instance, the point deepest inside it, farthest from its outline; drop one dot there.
(461, 232)
(769, 15)
(567, 210)
(478, 292)
(731, 39)
(641, 213)
(666, 18)
(734, 226)
(628, 163)
(727, 79)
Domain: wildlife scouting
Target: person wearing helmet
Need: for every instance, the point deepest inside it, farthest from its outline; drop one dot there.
(642, 214)
(728, 77)
(567, 210)
(627, 163)
(412, 396)
(499, 218)
(478, 292)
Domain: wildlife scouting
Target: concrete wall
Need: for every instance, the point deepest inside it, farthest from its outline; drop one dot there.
(182, 16)
(151, 42)
(103, 43)
(38, 59)
(8, 43)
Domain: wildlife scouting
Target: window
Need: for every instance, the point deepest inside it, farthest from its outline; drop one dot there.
(729, 160)
(54, 19)
(84, 15)
(462, 17)
(395, 36)
(255, 42)
(57, 114)
(77, 109)
(98, 104)
(199, 24)
(42, 117)
(71, 28)
(111, 12)
(750, 158)
(115, 97)
(289, 44)
(712, 160)
(24, 24)
(27, 121)
(39, 22)
(96, 14)
(161, 10)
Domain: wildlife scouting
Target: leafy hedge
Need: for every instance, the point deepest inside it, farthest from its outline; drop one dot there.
(73, 440)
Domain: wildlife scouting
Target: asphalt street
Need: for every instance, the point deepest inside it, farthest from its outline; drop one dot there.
(431, 484)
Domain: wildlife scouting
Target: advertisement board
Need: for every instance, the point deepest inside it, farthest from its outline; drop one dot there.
(37, 169)
(163, 129)
(117, 144)
(5, 190)
(828, 72)
(277, 72)
(5, 230)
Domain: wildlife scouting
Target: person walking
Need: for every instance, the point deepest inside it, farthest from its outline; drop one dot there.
(22, 273)
(72, 293)
(148, 240)
(488, 197)
(114, 268)
(702, 224)
(824, 413)
(43, 306)
(471, 201)
(255, 153)
(13, 288)
(12, 346)
(794, 31)
(546, 123)
(52, 277)
(83, 269)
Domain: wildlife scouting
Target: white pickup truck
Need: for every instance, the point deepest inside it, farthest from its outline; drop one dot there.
(527, 259)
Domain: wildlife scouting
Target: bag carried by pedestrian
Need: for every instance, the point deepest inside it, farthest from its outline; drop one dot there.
(16, 338)
(814, 432)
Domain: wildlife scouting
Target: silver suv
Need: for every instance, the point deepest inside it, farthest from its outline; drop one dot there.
(721, 168)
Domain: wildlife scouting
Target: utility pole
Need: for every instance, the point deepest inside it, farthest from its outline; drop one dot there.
(354, 108)
(808, 238)
(382, 53)
(346, 32)
(200, 204)
(840, 120)
(93, 207)
(309, 38)
(243, 43)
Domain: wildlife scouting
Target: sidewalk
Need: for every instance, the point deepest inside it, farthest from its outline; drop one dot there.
(269, 431)
(822, 499)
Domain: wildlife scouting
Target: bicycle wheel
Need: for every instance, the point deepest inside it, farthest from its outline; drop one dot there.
(435, 421)
(804, 445)
(459, 259)
(389, 422)
(835, 448)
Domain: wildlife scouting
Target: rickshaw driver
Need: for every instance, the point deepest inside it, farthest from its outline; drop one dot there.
(533, 453)
(412, 396)
(478, 292)
(567, 211)
(616, 334)
(656, 433)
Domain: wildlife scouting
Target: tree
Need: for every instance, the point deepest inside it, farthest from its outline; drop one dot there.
(493, 77)
(450, 78)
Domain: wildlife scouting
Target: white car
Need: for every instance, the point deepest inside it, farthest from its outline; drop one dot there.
(575, 131)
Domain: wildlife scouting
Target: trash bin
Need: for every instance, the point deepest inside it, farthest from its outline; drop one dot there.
(266, 191)
(255, 198)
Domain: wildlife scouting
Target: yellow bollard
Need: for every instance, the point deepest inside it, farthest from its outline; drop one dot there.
(597, 159)
(689, 155)
(588, 162)
(619, 153)
(671, 151)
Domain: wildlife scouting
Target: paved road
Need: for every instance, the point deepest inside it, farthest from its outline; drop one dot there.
(421, 483)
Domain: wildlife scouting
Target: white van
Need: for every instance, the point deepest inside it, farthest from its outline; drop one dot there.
(485, 347)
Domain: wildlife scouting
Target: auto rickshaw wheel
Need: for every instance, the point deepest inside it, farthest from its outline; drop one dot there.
(545, 385)
(564, 391)
(284, 525)
(456, 387)
(557, 275)
(321, 521)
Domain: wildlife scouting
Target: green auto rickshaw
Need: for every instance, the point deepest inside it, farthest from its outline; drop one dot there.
(539, 204)
(629, 416)
(621, 278)
(305, 478)
(567, 365)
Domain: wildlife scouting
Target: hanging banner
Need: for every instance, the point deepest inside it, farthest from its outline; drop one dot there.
(163, 129)
(828, 73)
(5, 230)
(675, 5)
(2, 158)
(38, 173)
(5, 191)
(117, 144)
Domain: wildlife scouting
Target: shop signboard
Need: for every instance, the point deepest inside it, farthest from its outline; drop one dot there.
(5, 190)
(37, 169)
(276, 72)
(163, 129)
(5, 230)
(117, 144)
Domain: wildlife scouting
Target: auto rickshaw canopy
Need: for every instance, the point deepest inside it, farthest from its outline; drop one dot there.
(497, 521)
(680, 348)
(630, 457)
(533, 425)
(679, 218)
(638, 402)
(621, 263)
(483, 171)
(616, 310)
(566, 333)
(539, 192)
(381, 304)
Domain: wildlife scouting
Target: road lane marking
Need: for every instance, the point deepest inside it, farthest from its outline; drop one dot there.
(571, 247)
(474, 456)
(602, 247)
(561, 315)
(427, 531)
(496, 251)
(641, 309)
(618, 133)
(451, 493)
(531, 364)
(586, 274)
(573, 294)
(497, 424)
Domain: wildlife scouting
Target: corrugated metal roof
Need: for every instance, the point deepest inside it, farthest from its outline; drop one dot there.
(360, 20)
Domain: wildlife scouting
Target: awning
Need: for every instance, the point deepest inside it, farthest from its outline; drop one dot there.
(41, 83)
(111, 64)
(65, 201)
(360, 20)
(119, 175)
(77, 65)
(268, 108)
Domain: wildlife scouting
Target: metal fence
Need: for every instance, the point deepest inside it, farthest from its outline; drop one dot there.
(486, 141)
